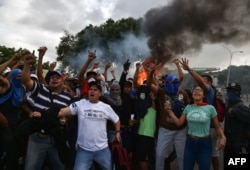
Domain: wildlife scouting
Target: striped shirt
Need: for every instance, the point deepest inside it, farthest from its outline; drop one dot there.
(44, 98)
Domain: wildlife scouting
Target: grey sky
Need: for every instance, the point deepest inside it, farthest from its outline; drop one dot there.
(34, 23)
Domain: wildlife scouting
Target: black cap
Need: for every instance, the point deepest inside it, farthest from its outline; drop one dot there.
(98, 85)
(128, 83)
(234, 86)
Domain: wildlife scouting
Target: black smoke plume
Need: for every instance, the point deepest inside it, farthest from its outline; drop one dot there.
(185, 25)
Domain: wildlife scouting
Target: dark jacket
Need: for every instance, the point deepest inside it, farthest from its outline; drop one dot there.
(235, 127)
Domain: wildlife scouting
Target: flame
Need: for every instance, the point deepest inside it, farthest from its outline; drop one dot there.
(142, 75)
(144, 71)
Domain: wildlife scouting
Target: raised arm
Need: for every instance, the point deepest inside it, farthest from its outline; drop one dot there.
(42, 51)
(91, 57)
(195, 75)
(28, 58)
(179, 69)
(151, 82)
(112, 71)
(105, 72)
(12, 61)
(124, 74)
(95, 66)
(135, 79)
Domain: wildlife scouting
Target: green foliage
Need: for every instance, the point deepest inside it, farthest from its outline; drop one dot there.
(6, 53)
(46, 65)
(91, 36)
(238, 74)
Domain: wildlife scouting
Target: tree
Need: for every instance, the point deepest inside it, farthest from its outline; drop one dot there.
(66, 49)
(46, 65)
(96, 36)
(6, 53)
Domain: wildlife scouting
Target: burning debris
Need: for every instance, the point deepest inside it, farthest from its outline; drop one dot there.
(185, 25)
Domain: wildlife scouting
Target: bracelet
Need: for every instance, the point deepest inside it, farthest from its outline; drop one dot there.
(118, 131)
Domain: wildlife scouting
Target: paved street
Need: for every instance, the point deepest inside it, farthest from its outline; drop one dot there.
(174, 164)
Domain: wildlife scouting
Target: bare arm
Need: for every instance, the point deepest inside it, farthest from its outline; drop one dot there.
(180, 71)
(177, 121)
(113, 73)
(16, 65)
(151, 79)
(64, 112)
(195, 75)
(105, 72)
(12, 61)
(117, 129)
(151, 83)
(222, 141)
(91, 57)
(96, 65)
(4, 85)
(42, 51)
(27, 81)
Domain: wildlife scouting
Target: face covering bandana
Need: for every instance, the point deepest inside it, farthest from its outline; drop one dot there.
(16, 82)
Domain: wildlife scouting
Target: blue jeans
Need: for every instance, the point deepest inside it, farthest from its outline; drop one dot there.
(165, 136)
(84, 159)
(199, 150)
(40, 148)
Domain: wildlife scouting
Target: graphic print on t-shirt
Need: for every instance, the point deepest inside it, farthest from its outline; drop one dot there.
(197, 115)
(94, 114)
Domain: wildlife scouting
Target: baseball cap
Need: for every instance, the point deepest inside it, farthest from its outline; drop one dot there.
(34, 76)
(91, 73)
(98, 85)
(56, 72)
(234, 86)
(128, 83)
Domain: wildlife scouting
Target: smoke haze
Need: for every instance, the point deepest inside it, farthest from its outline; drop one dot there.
(130, 47)
(185, 25)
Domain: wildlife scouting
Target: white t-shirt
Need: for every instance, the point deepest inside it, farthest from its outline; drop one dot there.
(92, 123)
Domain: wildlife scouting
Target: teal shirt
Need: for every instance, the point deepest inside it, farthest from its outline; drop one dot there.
(199, 119)
(148, 123)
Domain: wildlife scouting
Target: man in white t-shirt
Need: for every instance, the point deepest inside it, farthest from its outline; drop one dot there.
(92, 141)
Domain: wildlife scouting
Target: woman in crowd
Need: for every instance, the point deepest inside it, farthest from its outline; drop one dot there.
(198, 116)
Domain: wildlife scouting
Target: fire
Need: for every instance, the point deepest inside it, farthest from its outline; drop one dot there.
(142, 75)
(148, 64)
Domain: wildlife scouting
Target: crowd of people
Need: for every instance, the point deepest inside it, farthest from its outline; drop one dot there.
(62, 123)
